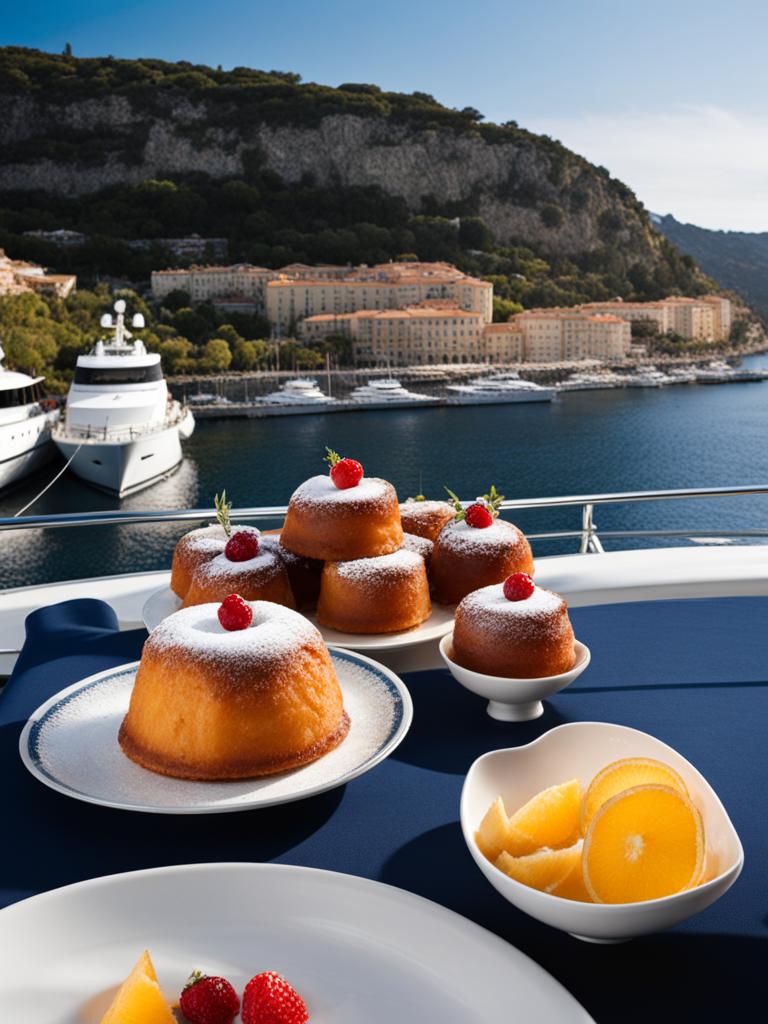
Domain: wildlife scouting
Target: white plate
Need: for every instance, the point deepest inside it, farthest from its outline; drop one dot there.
(355, 950)
(70, 744)
(164, 602)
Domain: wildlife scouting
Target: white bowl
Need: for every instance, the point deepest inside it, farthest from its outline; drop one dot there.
(582, 749)
(513, 700)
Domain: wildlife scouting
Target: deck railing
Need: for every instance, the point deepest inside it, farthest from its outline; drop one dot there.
(590, 540)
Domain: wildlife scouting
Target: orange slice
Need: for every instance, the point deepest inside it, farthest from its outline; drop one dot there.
(139, 999)
(642, 844)
(496, 834)
(572, 886)
(626, 774)
(551, 818)
(545, 869)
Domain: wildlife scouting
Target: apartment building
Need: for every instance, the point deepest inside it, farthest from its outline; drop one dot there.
(205, 283)
(567, 334)
(707, 318)
(18, 276)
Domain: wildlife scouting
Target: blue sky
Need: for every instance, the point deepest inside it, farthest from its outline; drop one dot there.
(671, 96)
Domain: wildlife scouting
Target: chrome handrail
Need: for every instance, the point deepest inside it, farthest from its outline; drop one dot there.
(588, 535)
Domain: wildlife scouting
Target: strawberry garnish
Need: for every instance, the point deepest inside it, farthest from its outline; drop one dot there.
(235, 613)
(207, 999)
(241, 546)
(269, 999)
(345, 473)
(518, 586)
(478, 516)
(481, 513)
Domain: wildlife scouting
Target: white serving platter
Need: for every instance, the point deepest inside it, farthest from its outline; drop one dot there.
(354, 949)
(70, 744)
(164, 602)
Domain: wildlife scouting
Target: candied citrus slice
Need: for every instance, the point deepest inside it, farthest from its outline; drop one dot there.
(626, 774)
(139, 999)
(496, 834)
(551, 818)
(545, 869)
(644, 843)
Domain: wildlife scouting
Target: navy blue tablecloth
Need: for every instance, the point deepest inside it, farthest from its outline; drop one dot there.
(693, 673)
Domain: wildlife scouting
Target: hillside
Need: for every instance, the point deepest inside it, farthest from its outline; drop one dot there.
(738, 260)
(291, 171)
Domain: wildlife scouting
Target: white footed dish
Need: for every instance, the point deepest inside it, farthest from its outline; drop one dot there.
(582, 749)
(513, 700)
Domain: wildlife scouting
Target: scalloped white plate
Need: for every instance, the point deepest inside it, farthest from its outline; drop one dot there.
(164, 602)
(70, 744)
(355, 950)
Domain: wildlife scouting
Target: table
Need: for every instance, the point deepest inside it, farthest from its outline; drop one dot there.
(692, 672)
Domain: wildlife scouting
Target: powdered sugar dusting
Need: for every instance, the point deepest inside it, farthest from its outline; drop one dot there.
(465, 539)
(222, 567)
(424, 508)
(419, 545)
(321, 493)
(212, 538)
(400, 563)
(77, 747)
(274, 634)
(491, 601)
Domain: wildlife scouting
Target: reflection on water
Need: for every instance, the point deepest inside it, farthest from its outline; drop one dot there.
(599, 441)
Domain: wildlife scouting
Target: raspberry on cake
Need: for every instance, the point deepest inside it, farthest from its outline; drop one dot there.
(261, 578)
(210, 704)
(330, 524)
(385, 594)
(197, 547)
(466, 558)
(345, 473)
(515, 638)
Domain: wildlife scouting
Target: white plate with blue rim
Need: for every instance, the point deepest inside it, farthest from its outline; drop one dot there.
(70, 744)
(354, 949)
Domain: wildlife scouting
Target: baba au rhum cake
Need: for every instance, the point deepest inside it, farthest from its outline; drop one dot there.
(515, 630)
(425, 518)
(261, 578)
(211, 703)
(198, 547)
(337, 524)
(466, 558)
(385, 594)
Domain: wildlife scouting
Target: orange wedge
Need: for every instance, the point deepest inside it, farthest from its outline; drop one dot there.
(551, 818)
(496, 834)
(545, 869)
(572, 886)
(626, 774)
(643, 843)
(139, 999)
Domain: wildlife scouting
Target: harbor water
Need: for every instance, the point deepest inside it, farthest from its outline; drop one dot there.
(584, 442)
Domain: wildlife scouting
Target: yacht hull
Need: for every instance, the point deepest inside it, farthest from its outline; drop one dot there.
(123, 468)
(531, 396)
(24, 447)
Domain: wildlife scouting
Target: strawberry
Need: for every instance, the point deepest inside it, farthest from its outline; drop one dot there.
(235, 613)
(345, 473)
(518, 586)
(477, 515)
(208, 1000)
(269, 999)
(241, 546)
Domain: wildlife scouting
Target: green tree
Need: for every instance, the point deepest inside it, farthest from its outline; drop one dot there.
(216, 355)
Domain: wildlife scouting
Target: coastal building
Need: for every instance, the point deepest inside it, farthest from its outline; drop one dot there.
(191, 247)
(297, 291)
(18, 276)
(60, 236)
(556, 334)
(707, 318)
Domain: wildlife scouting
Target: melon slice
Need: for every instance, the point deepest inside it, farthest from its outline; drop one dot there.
(139, 999)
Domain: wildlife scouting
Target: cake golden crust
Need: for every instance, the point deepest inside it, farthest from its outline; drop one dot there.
(425, 518)
(326, 523)
(466, 558)
(386, 594)
(208, 704)
(525, 639)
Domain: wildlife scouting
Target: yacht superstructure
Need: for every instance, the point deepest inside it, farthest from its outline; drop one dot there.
(25, 426)
(498, 389)
(390, 393)
(122, 430)
(302, 391)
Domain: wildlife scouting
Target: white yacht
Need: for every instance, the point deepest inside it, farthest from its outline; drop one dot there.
(25, 425)
(647, 377)
(681, 375)
(302, 391)
(716, 372)
(498, 389)
(390, 392)
(590, 382)
(122, 430)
